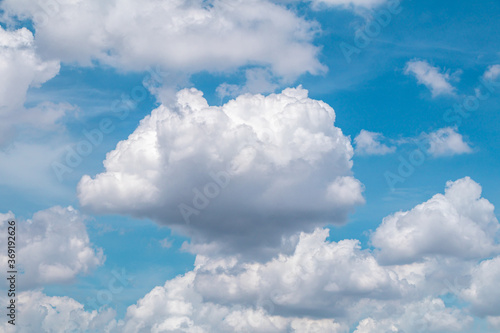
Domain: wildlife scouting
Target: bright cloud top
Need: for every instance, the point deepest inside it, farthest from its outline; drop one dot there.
(369, 143)
(447, 142)
(180, 35)
(438, 83)
(245, 173)
(52, 247)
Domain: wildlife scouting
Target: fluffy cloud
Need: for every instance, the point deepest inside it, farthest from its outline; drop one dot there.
(187, 36)
(430, 76)
(335, 283)
(483, 292)
(369, 143)
(351, 3)
(446, 142)
(179, 307)
(38, 312)
(458, 224)
(428, 315)
(243, 174)
(52, 247)
(21, 68)
(492, 73)
(322, 286)
(320, 278)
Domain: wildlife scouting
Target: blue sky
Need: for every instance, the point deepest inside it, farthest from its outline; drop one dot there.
(67, 68)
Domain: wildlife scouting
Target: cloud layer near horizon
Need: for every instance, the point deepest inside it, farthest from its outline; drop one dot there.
(324, 286)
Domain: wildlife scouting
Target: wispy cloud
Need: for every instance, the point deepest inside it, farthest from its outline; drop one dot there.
(432, 77)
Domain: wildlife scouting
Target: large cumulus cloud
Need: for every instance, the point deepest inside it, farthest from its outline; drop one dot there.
(244, 174)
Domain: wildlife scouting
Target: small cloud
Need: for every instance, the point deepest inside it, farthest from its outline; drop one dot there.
(447, 142)
(492, 73)
(166, 243)
(369, 143)
(437, 82)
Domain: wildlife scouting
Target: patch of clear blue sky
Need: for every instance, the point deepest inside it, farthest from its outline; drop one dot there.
(369, 93)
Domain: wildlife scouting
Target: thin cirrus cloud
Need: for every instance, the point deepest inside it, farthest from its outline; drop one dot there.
(442, 142)
(431, 77)
(243, 174)
(215, 36)
(331, 286)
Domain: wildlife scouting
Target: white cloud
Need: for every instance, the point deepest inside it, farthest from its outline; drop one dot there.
(180, 35)
(483, 292)
(447, 142)
(21, 68)
(350, 3)
(369, 143)
(494, 321)
(428, 315)
(37, 312)
(324, 286)
(430, 76)
(457, 224)
(492, 73)
(166, 243)
(52, 247)
(226, 295)
(336, 283)
(244, 174)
